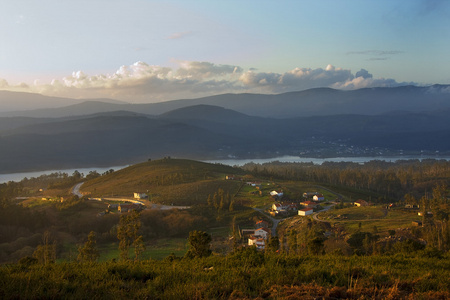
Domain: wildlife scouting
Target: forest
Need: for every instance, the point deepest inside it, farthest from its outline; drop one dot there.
(51, 249)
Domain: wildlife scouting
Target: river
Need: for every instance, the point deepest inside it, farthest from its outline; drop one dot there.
(319, 161)
(232, 162)
(19, 176)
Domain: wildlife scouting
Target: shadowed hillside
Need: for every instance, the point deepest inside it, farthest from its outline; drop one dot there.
(169, 181)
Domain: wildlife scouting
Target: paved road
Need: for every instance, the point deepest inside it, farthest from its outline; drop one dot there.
(76, 189)
(323, 210)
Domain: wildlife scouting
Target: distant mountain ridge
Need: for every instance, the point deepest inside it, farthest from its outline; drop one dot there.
(312, 102)
(19, 103)
(317, 122)
(209, 132)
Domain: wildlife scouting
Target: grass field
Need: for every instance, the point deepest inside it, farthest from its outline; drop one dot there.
(156, 249)
(366, 218)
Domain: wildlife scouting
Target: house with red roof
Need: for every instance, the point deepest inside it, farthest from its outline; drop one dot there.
(305, 212)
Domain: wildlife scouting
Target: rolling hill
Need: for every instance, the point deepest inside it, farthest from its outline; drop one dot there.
(313, 102)
(184, 182)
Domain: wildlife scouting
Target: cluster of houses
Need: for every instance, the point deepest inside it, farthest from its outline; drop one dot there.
(304, 208)
(259, 236)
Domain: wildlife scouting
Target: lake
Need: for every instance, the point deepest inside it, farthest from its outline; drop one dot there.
(231, 162)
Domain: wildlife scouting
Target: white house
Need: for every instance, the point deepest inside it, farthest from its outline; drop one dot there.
(262, 232)
(276, 194)
(305, 211)
(277, 207)
(318, 197)
(260, 243)
(140, 195)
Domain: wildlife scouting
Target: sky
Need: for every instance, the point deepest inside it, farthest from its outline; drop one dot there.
(151, 51)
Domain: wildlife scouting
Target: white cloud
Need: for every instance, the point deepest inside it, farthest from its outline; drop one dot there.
(361, 82)
(141, 82)
(297, 79)
(363, 73)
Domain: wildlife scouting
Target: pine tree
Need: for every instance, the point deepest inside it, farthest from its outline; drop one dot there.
(127, 233)
(46, 252)
(89, 252)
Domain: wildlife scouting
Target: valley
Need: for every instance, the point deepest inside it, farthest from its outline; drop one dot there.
(181, 196)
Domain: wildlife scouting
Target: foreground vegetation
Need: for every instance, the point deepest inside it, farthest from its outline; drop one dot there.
(243, 274)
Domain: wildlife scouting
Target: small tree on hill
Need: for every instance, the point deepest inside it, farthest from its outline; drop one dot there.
(127, 233)
(199, 244)
(46, 252)
(89, 251)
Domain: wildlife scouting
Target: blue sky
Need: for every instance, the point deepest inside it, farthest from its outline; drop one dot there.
(144, 51)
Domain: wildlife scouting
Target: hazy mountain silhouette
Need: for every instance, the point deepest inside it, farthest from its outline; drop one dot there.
(204, 132)
(313, 102)
(16, 103)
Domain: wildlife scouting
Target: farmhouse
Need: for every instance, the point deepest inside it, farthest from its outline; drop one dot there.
(276, 194)
(279, 207)
(260, 243)
(262, 232)
(309, 204)
(305, 211)
(360, 203)
(259, 235)
(308, 195)
(318, 197)
(232, 177)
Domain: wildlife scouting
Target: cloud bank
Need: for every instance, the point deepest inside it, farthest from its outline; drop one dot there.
(141, 82)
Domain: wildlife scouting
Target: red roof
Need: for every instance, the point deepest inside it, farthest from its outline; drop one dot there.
(264, 229)
(306, 209)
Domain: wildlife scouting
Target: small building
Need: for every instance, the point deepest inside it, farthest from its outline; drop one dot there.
(277, 207)
(260, 243)
(308, 195)
(262, 232)
(309, 204)
(360, 203)
(305, 212)
(416, 223)
(318, 197)
(278, 194)
(428, 213)
(140, 196)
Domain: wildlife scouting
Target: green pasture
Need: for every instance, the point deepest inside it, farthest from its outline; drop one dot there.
(367, 218)
(155, 249)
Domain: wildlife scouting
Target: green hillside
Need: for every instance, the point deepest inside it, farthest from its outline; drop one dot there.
(168, 181)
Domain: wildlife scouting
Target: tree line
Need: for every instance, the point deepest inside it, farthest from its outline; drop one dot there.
(393, 180)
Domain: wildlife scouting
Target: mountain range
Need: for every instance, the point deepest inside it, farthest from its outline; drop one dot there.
(313, 102)
(318, 122)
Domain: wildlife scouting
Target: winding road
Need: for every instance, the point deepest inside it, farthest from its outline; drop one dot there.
(76, 189)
